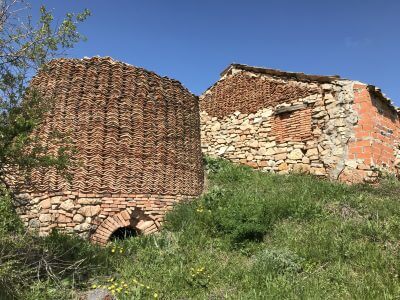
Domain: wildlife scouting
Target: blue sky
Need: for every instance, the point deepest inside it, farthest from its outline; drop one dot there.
(193, 41)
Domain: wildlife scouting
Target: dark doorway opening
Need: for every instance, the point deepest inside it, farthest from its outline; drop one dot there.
(123, 233)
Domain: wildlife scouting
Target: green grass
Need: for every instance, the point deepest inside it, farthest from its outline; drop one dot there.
(251, 236)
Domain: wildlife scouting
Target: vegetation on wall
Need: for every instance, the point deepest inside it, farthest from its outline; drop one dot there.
(25, 47)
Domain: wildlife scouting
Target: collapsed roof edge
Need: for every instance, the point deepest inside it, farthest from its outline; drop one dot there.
(302, 77)
(275, 72)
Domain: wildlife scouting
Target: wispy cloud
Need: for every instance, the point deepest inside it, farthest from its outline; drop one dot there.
(352, 42)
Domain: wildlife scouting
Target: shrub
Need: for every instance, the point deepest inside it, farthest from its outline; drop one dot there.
(60, 260)
(277, 261)
(9, 220)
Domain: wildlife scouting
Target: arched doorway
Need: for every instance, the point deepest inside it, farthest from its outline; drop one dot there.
(128, 222)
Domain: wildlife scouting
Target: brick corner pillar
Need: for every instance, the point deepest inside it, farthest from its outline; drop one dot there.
(376, 137)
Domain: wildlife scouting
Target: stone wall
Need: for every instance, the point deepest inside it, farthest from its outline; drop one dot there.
(94, 216)
(137, 142)
(248, 118)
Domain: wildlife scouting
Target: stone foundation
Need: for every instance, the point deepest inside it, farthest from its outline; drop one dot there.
(94, 216)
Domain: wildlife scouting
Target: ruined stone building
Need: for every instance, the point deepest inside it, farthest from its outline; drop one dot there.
(292, 122)
(137, 141)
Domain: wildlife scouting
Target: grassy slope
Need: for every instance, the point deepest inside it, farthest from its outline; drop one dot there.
(255, 236)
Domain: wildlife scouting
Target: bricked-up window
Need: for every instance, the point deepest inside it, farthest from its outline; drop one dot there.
(292, 126)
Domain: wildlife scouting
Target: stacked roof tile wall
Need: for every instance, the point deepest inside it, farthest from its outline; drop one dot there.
(137, 140)
(248, 94)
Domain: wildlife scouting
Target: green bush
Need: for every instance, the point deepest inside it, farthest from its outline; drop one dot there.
(243, 205)
(9, 221)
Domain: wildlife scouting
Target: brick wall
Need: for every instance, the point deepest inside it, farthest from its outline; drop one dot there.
(375, 147)
(292, 126)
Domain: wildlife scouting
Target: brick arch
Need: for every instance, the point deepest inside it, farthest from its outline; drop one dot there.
(136, 219)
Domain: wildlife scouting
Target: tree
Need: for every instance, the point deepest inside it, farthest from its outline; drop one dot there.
(25, 47)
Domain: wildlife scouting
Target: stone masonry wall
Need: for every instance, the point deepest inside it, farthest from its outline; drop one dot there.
(94, 216)
(310, 130)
